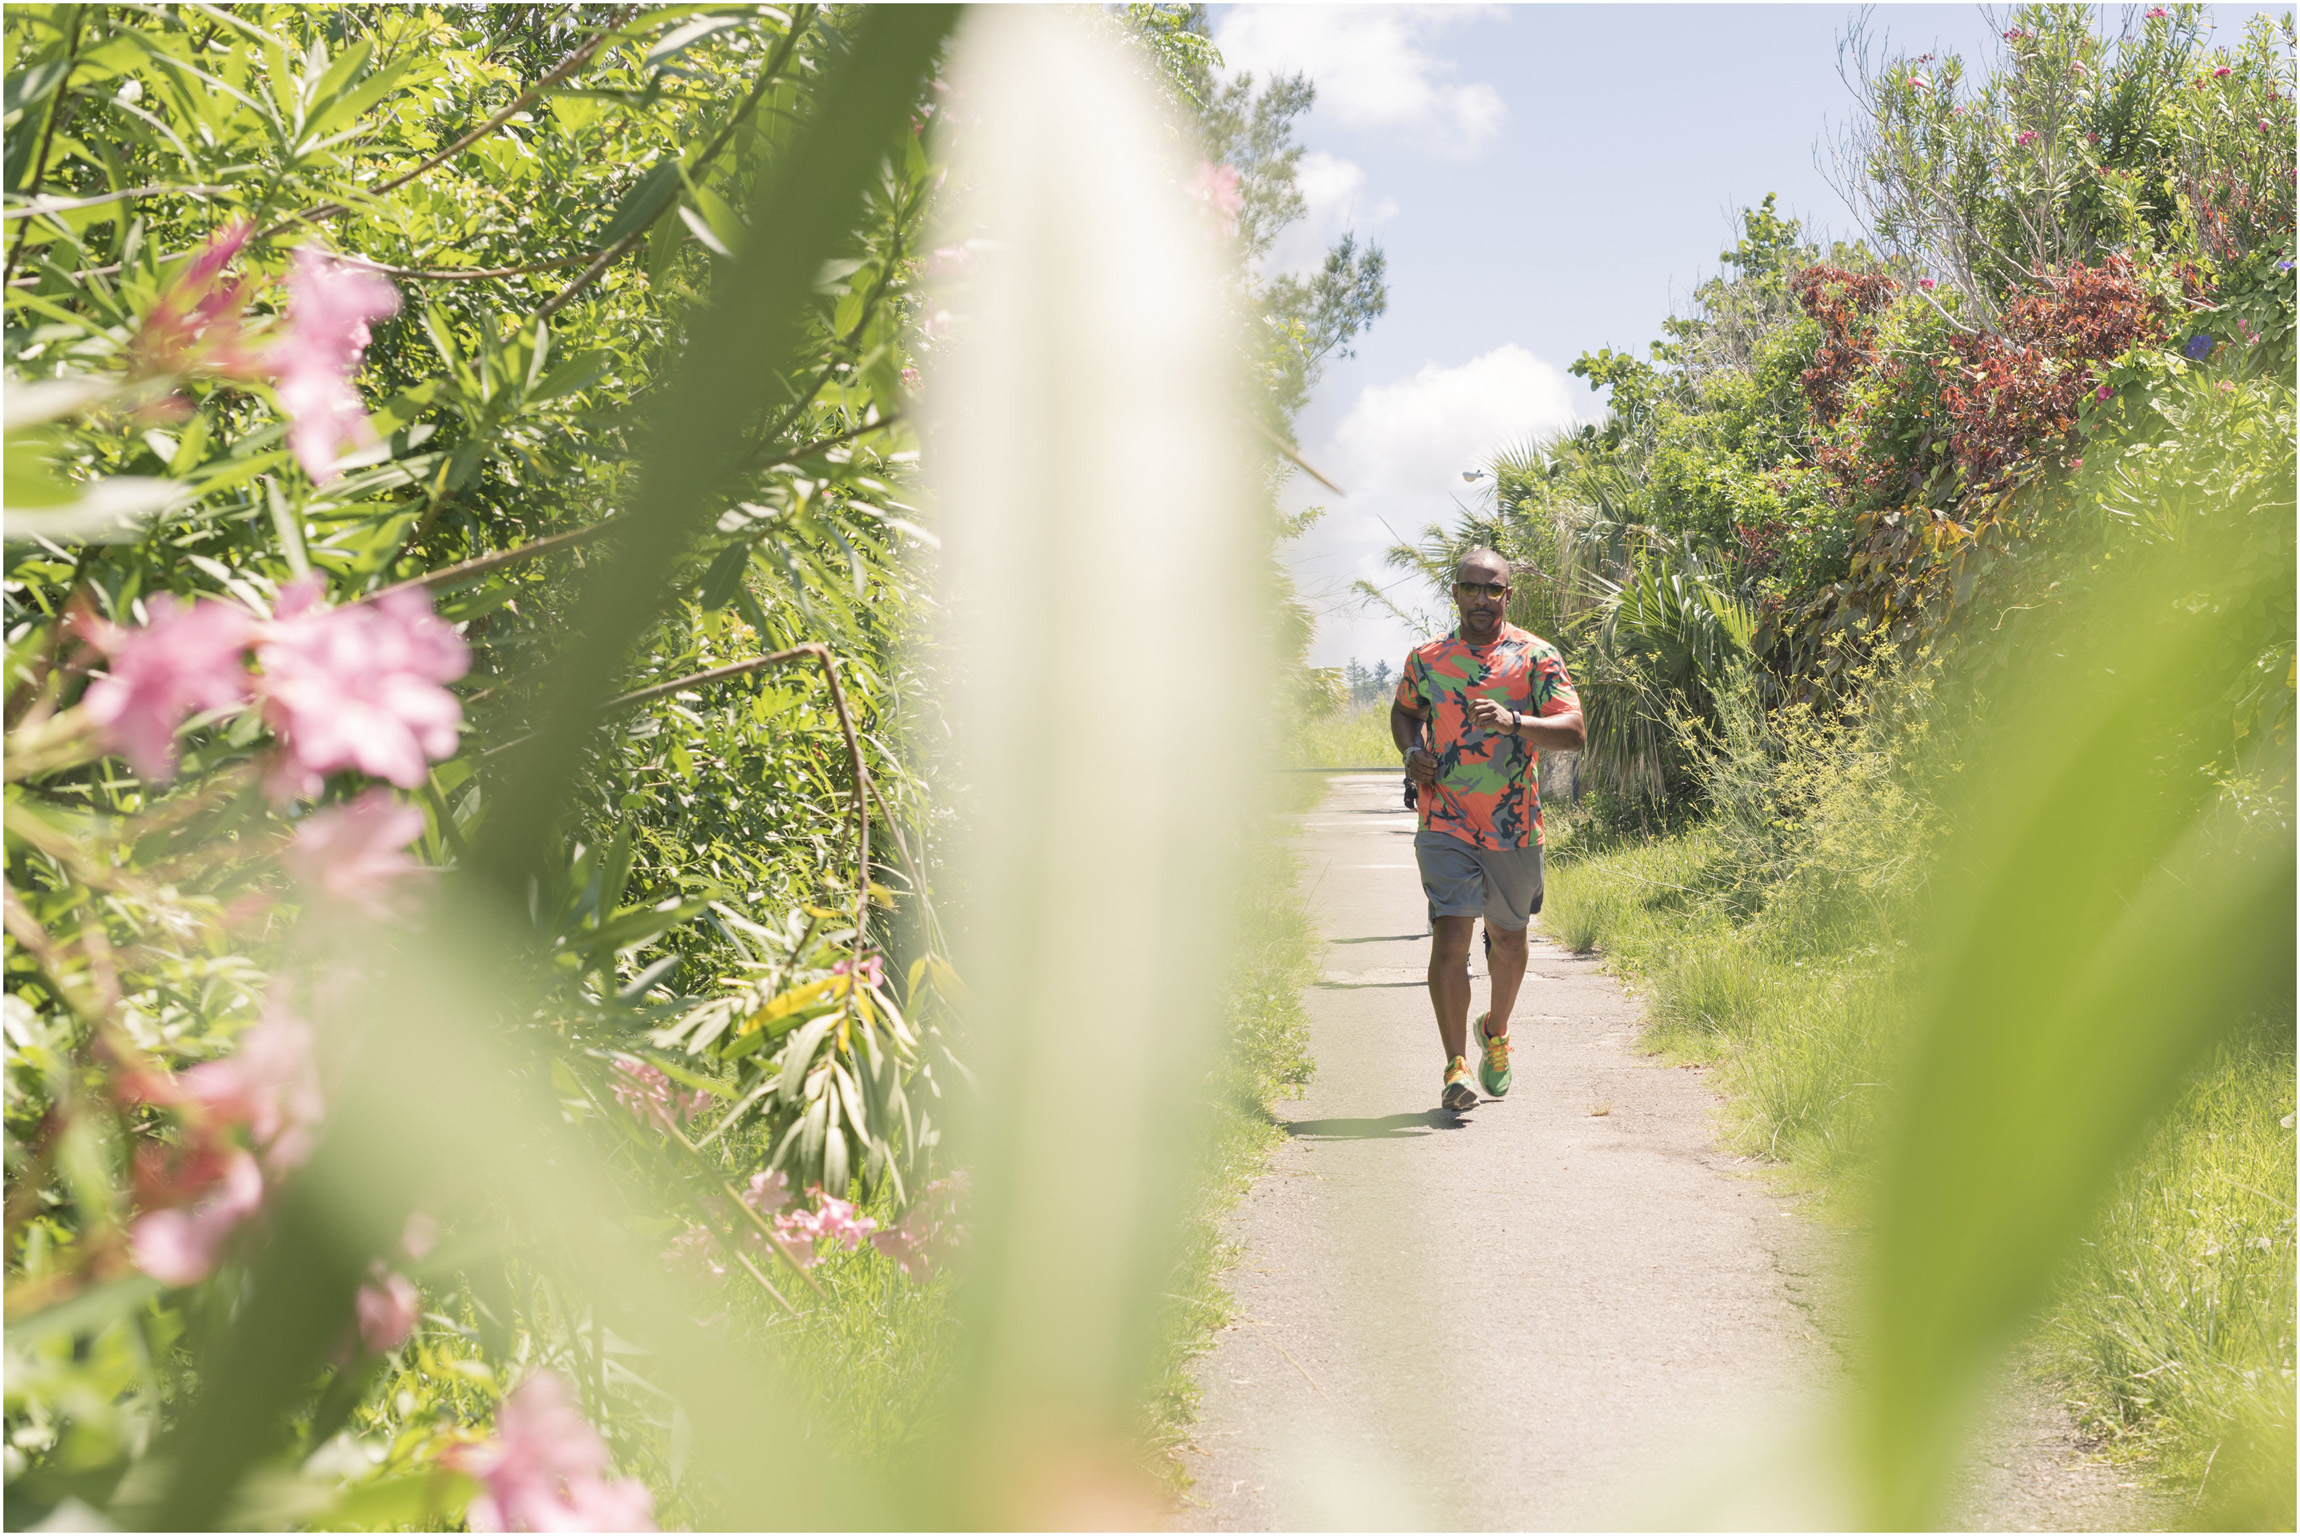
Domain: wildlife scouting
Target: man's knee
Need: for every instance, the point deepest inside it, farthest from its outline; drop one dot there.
(1450, 936)
(1511, 939)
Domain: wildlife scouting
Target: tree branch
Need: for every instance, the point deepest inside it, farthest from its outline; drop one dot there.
(802, 17)
(521, 103)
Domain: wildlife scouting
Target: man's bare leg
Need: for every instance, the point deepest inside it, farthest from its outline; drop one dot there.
(1507, 965)
(1449, 980)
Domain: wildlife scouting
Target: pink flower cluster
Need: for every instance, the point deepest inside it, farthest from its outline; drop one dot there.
(329, 307)
(546, 1469)
(186, 658)
(697, 1252)
(642, 1088)
(356, 687)
(356, 853)
(798, 1233)
(387, 1307)
(195, 326)
(1217, 193)
(2157, 13)
(197, 1194)
(922, 1241)
(2026, 137)
(362, 687)
(873, 970)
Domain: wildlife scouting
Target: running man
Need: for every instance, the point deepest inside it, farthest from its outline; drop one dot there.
(1473, 713)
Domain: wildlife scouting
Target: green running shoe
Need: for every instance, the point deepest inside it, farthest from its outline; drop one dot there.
(1493, 1071)
(1459, 1095)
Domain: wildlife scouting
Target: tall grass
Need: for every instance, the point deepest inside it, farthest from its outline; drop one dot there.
(1356, 737)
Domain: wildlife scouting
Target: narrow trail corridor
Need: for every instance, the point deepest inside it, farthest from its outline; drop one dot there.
(1542, 1314)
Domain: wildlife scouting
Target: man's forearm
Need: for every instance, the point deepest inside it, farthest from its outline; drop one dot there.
(1562, 732)
(1405, 729)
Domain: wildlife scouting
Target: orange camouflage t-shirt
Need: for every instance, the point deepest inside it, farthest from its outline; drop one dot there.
(1488, 790)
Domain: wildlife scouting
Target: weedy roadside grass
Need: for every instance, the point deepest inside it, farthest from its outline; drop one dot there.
(1265, 1058)
(2171, 1337)
(1357, 737)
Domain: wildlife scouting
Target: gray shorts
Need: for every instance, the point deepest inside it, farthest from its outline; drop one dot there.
(1502, 885)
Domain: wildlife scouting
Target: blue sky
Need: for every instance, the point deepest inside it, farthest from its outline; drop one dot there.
(1547, 180)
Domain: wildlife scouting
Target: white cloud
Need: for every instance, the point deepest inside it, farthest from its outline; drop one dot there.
(1333, 193)
(1400, 453)
(1370, 66)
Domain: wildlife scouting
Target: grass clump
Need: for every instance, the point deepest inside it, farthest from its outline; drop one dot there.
(2175, 1328)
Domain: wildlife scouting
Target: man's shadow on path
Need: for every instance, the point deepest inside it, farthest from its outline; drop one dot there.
(1386, 1128)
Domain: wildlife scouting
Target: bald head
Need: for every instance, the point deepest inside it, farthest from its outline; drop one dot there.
(1482, 564)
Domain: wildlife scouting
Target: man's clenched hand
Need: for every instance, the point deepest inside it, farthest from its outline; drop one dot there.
(1491, 716)
(1422, 766)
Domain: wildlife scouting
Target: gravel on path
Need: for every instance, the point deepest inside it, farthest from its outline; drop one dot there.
(1566, 1309)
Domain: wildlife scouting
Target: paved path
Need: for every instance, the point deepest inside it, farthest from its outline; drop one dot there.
(1535, 1316)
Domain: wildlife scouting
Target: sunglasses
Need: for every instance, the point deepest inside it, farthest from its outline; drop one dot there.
(1487, 588)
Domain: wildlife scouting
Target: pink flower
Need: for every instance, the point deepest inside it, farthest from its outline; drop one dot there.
(419, 1236)
(1217, 192)
(794, 1235)
(947, 259)
(928, 1231)
(768, 1192)
(696, 1252)
(1920, 82)
(356, 853)
(2156, 13)
(837, 1221)
(194, 324)
(180, 1246)
(2224, 71)
(908, 1249)
(270, 1084)
(872, 970)
(2103, 393)
(387, 1306)
(910, 378)
(190, 657)
(832, 1221)
(361, 687)
(2027, 137)
(641, 1088)
(1927, 284)
(546, 1468)
(329, 307)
